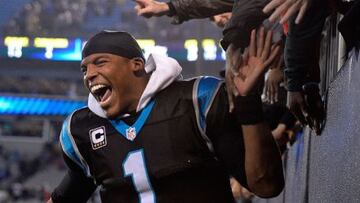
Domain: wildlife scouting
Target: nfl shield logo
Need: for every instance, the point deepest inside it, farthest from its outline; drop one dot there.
(131, 133)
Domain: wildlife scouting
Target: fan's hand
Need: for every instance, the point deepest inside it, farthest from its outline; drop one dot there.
(284, 9)
(272, 82)
(255, 61)
(150, 8)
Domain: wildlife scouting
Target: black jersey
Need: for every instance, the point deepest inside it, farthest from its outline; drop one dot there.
(180, 148)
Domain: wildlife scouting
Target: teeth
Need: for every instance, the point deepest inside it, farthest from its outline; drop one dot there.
(96, 87)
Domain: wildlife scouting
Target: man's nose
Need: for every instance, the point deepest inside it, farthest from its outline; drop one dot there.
(91, 73)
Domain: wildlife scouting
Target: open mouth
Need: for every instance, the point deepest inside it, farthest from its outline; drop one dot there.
(101, 92)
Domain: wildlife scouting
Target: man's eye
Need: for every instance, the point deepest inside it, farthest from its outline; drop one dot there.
(100, 63)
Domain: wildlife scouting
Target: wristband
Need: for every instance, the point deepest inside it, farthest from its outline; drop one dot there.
(288, 119)
(248, 109)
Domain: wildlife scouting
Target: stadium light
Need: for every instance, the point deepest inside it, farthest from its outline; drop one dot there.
(15, 45)
(209, 49)
(191, 45)
(147, 45)
(49, 44)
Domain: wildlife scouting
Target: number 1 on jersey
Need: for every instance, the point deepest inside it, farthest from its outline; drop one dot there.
(134, 166)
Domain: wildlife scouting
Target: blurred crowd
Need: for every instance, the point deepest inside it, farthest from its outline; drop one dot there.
(16, 168)
(69, 18)
(42, 86)
(20, 127)
(55, 18)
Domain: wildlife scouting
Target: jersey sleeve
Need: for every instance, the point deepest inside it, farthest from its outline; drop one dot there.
(74, 187)
(70, 149)
(77, 185)
(220, 127)
(204, 92)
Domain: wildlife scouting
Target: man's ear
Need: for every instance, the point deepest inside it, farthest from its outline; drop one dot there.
(138, 66)
(138, 63)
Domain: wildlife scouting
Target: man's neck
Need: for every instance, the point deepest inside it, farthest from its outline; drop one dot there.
(139, 91)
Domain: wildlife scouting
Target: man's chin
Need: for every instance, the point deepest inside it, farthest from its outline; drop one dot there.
(110, 115)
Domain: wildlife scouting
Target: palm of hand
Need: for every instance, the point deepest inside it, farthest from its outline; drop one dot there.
(243, 71)
(255, 64)
(249, 73)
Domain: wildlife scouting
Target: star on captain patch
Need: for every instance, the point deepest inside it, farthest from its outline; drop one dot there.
(131, 133)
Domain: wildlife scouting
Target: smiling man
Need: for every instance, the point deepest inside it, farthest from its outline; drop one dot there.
(147, 136)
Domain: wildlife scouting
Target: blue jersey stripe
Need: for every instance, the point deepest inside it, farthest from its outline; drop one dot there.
(122, 127)
(67, 145)
(206, 92)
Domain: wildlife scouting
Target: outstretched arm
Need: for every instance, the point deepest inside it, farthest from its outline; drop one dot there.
(241, 139)
(150, 8)
(243, 142)
(263, 166)
(183, 10)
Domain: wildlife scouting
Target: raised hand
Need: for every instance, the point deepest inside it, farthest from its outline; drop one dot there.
(286, 8)
(272, 82)
(150, 8)
(220, 20)
(255, 60)
(297, 105)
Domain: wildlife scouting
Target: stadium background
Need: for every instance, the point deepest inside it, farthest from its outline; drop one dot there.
(40, 43)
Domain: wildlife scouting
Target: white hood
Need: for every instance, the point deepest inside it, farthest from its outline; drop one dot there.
(164, 71)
